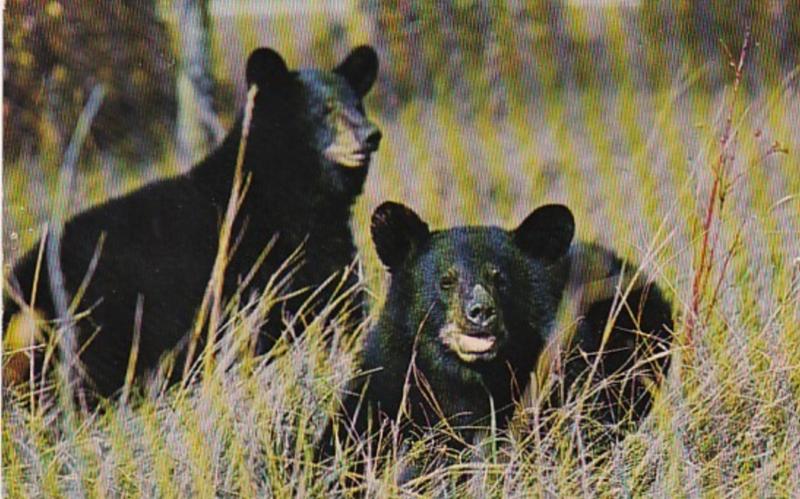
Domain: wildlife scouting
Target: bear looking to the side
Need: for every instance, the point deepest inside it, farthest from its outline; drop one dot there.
(469, 311)
(305, 163)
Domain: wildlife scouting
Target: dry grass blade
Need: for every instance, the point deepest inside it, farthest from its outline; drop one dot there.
(68, 344)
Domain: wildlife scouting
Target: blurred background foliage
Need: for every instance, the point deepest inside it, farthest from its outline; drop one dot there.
(476, 53)
(56, 51)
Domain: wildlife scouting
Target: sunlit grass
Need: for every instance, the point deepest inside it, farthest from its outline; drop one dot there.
(727, 417)
(632, 163)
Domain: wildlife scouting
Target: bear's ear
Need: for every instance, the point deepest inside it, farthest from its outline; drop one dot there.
(359, 68)
(547, 232)
(264, 67)
(396, 231)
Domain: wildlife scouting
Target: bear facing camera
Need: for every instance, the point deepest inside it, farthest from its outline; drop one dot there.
(469, 312)
(308, 152)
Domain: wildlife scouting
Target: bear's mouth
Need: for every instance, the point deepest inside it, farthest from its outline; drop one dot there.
(471, 345)
(347, 157)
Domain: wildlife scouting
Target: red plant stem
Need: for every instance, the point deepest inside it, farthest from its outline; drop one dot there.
(718, 189)
(722, 273)
(702, 269)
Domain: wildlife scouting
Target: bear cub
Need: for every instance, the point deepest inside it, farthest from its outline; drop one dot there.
(306, 160)
(467, 313)
(470, 309)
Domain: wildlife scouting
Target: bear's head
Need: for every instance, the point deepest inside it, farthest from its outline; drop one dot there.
(316, 116)
(473, 296)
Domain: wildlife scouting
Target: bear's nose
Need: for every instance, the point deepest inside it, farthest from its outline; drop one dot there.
(481, 314)
(373, 140)
(480, 309)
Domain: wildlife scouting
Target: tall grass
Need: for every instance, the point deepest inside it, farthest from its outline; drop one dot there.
(638, 169)
(726, 422)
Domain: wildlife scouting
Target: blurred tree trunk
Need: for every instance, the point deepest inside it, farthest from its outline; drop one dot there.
(198, 128)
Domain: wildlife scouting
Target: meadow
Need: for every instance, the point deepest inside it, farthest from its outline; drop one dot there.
(698, 183)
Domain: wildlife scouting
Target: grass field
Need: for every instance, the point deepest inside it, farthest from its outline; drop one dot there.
(702, 187)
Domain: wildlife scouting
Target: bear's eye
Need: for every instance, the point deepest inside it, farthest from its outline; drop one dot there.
(496, 275)
(448, 281)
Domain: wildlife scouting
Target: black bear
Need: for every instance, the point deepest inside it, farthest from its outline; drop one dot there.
(469, 311)
(610, 346)
(305, 162)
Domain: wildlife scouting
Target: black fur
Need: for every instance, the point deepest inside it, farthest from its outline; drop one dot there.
(434, 282)
(528, 273)
(161, 240)
(635, 355)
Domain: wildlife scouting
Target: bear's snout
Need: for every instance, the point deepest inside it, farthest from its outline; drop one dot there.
(479, 309)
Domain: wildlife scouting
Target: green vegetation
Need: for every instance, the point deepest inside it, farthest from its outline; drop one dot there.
(700, 182)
